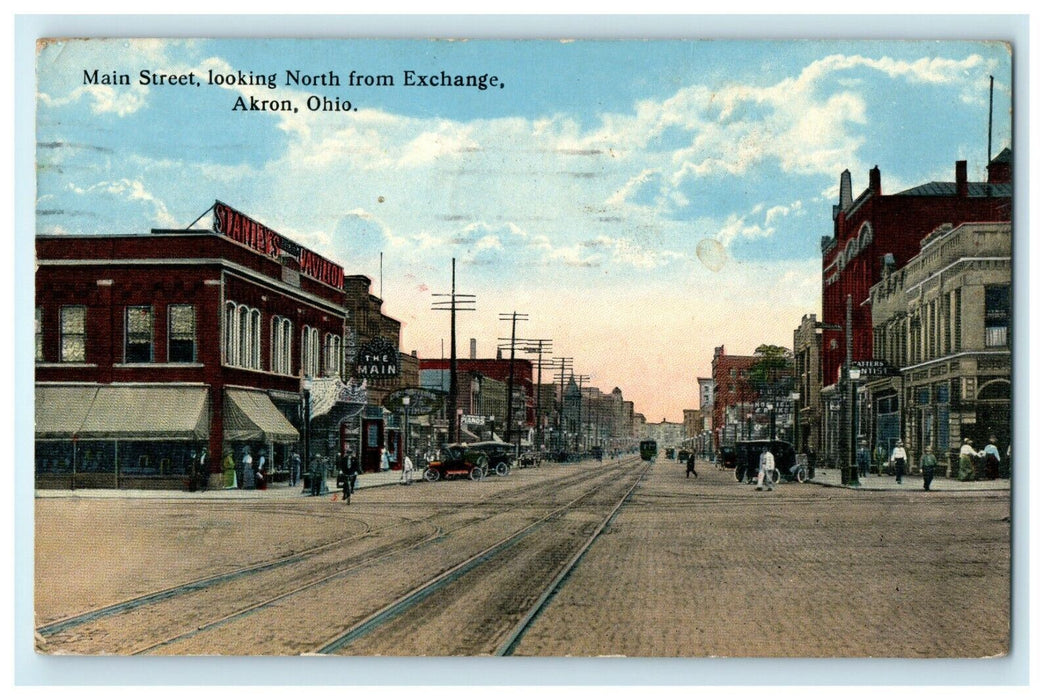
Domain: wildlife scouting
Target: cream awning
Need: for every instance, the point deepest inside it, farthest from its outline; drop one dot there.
(250, 416)
(147, 413)
(61, 410)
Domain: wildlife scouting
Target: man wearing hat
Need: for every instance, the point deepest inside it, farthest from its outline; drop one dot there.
(864, 458)
(898, 458)
(968, 459)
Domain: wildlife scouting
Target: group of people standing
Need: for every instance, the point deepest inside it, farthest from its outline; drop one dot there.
(973, 464)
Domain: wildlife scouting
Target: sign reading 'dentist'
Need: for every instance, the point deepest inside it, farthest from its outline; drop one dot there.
(243, 229)
(379, 359)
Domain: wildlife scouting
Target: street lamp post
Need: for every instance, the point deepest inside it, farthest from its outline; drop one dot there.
(405, 431)
(307, 384)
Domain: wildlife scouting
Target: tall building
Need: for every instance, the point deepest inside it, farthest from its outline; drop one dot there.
(806, 347)
(157, 353)
(870, 233)
(942, 325)
(734, 397)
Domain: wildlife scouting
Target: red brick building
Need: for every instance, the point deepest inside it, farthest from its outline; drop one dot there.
(434, 373)
(734, 396)
(875, 229)
(156, 353)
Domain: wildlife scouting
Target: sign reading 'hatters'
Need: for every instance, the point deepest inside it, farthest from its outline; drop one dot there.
(379, 359)
(243, 229)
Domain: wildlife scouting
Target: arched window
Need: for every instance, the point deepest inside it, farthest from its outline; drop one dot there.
(333, 351)
(230, 335)
(242, 336)
(254, 331)
(310, 351)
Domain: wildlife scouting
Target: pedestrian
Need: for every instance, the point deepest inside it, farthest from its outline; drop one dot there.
(247, 472)
(992, 459)
(202, 469)
(192, 468)
(384, 460)
(355, 469)
(229, 470)
(691, 462)
(407, 470)
(927, 465)
(260, 471)
(344, 478)
(864, 458)
(881, 458)
(968, 461)
(766, 467)
(294, 466)
(899, 458)
(317, 475)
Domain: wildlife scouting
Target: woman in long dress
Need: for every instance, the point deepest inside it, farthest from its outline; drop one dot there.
(967, 460)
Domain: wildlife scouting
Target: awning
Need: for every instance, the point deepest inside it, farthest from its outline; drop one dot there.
(61, 410)
(250, 416)
(147, 413)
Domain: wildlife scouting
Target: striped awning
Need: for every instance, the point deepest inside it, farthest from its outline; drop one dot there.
(250, 416)
(122, 412)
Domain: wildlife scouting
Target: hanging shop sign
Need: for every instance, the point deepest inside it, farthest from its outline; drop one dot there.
(378, 359)
(243, 229)
(422, 402)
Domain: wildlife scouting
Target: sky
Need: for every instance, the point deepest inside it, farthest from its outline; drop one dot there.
(641, 201)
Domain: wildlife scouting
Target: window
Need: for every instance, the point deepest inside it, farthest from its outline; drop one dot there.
(333, 350)
(242, 336)
(74, 324)
(311, 350)
(253, 346)
(182, 333)
(230, 334)
(39, 336)
(997, 315)
(138, 334)
(281, 345)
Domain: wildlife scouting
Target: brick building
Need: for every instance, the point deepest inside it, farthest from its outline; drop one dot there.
(734, 397)
(875, 230)
(156, 353)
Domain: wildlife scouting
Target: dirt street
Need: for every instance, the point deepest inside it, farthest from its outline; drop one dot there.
(704, 567)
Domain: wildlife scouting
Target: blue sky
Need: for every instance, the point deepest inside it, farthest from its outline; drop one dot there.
(579, 194)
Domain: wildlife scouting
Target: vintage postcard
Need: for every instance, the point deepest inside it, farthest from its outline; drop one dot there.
(434, 348)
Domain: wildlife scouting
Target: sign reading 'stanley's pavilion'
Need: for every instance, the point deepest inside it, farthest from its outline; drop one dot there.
(379, 358)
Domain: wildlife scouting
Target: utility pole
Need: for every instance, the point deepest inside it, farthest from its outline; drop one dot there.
(452, 303)
(581, 380)
(538, 346)
(563, 364)
(514, 317)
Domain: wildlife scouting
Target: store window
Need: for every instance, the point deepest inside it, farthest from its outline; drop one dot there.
(138, 334)
(182, 333)
(39, 326)
(311, 352)
(281, 345)
(333, 353)
(997, 315)
(73, 336)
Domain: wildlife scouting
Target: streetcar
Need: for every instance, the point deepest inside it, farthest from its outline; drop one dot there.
(648, 450)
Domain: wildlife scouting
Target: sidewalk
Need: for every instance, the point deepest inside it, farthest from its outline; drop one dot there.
(277, 490)
(911, 482)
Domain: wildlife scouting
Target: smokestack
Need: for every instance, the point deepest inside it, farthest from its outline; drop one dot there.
(474, 349)
(875, 186)
(961, 178)
(846, 196)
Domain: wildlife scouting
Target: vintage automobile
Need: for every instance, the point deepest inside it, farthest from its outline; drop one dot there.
(457, 459)
(499, 455)
(727, 457)
(746, 467)
(684, 456)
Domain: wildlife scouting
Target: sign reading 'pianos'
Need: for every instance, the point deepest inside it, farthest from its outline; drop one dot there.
(244, 229)
(379, 358)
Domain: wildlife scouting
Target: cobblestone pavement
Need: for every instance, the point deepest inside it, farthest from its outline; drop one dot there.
(691, 568)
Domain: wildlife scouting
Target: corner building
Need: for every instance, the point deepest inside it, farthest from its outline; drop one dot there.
(157, 353)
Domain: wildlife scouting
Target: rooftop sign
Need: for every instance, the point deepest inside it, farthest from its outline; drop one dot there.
(243, 229)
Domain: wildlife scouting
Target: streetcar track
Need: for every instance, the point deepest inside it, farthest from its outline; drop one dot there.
(58, 626)
(450, 575)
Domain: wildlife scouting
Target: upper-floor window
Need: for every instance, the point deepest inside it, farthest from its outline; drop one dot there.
(333, 354)
(241, 336)
(138, 334)
(182, 333)
(311, 352)
(73, 324)
(280, 345)
(39, 326)
(997, 315)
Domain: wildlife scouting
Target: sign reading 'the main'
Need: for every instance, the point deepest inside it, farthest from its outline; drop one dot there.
(378, 359)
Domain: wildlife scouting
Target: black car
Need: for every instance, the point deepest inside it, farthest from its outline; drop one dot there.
(747, 453)
(684, 456)
(499, 455)
(727, 457)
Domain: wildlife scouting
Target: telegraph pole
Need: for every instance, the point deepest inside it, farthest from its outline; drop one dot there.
(538, 346)
(563, 364)
(452, 303)
(514, 317)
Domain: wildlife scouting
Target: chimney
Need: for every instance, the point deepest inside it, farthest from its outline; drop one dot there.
(846, 196)
(961, 178)
(499, 354)
(474, 349)
(875, 187)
